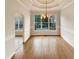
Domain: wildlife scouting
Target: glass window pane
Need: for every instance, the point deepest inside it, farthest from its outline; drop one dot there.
(52, 23)
(21, 24)
(37, 18)
(45, 25)
(16, 23)
(52, 19)
(45, 20)
(37, 22)
(52, 26)
(37, 26)
(16, 26)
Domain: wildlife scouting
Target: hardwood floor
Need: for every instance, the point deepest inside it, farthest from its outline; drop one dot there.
(45, 47)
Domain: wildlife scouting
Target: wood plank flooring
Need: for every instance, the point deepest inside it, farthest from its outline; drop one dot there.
(45, 47)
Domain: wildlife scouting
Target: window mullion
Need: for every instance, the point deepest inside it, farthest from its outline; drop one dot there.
(41, 24)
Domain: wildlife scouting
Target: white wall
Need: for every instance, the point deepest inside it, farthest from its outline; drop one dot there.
(27, 31)
(12, 7)
(67, 23)
(45, 32)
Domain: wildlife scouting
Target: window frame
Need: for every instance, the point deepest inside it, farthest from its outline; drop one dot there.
(48, 24)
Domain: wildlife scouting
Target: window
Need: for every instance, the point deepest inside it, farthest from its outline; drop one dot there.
(52, 23)
(18, 23)
(37, 22)
(49, 24)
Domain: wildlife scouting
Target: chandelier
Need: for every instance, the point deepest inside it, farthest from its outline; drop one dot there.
(45, 15)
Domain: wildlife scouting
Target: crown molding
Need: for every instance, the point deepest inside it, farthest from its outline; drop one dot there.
(63, 6)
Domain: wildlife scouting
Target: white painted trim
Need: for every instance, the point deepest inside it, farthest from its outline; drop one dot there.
(26, 39)
(66, 32)
(11, 55)
(67, 40)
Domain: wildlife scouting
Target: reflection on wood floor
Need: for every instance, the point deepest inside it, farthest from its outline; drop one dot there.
(45, 47)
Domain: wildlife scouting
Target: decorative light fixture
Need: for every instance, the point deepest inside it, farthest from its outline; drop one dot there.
(45, 15)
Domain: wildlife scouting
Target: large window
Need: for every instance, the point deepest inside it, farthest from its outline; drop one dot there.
(49, 24)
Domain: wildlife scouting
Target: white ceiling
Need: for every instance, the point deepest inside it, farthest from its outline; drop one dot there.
(40, 4)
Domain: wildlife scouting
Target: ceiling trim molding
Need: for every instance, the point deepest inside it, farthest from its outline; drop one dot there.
(35, 3)
(48, 2)
(62, 6)
(43, 7)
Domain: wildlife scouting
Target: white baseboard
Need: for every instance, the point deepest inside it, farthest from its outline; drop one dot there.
(67, 40)
(27, 39)
(10, 57)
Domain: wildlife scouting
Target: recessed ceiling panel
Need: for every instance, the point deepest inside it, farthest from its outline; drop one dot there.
(41, 4)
